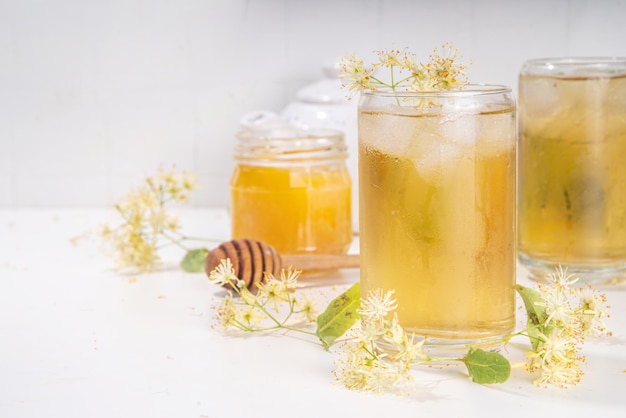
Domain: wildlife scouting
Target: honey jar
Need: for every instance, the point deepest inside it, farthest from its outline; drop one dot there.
(292, 189)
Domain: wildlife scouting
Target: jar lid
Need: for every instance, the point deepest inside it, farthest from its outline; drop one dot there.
(282, 148)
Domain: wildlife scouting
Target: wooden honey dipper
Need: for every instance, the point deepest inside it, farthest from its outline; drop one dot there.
(251, 259)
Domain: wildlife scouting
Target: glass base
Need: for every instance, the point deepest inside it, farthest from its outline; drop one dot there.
(594, 274)
(448, 349)
(440, 348)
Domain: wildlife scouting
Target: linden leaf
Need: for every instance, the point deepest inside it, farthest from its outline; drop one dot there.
(486, 367)
(193, 262)
(536, 313)
(339, 316)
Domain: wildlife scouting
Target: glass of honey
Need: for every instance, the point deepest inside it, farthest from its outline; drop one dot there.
(291, 189)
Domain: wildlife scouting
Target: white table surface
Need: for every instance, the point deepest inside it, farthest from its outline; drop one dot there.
(79, 339)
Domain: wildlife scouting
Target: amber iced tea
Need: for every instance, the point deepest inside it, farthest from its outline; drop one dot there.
(437, 210)
(572, 203)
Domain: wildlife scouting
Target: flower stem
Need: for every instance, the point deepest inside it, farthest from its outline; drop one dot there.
(176, 241)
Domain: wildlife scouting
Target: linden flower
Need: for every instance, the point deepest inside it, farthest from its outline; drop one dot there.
(559, 346)
(279, 290)
(307, 308)
(176, 186)
(562, 374)
(357, 76)
(353, 368)
(273, 290)
(250, 312)
(289, 279)
(442, 72)
(249, 317)
(377, 305)
(391, 58)
(556, 359)
(382, 375)
(564, 326)
(132, 247)
(370, 331)
(248, 297)
(377, 375)
(561, 279)
(558, 306)
(146, 225)
(224, 273)
(358, 370)
(395, 333)
(226, 312)
(594, 311)
(407, 350)
(379, 355)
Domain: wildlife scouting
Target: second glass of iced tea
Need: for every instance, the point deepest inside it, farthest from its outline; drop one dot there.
(437, 209)
(572, 167)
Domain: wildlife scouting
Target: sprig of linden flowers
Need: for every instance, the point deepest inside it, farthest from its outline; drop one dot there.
(146, 224)
(564, 316)
(261, 310)
(404, 73)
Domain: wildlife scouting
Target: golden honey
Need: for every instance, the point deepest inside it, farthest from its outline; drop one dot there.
(293, 192)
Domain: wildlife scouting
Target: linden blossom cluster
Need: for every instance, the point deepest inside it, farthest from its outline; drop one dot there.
(251, 311)
(146, 224)
(441, 73)
(563, 317)
(379, 354)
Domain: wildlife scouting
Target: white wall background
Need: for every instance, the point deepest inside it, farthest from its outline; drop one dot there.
(96, 94)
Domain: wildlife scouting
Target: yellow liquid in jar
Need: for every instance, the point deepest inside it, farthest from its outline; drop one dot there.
(437, 223)
(298, 210)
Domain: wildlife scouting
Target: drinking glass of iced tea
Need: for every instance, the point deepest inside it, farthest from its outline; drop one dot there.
(437, 209)
(572, 167)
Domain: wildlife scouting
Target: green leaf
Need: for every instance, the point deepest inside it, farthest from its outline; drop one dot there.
(193, 262)
(487, 367)
(536, 313)
(339, 316)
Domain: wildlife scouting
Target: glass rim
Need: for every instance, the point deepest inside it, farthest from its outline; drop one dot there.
(466, 91)
(577, 60)
(576, 66)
